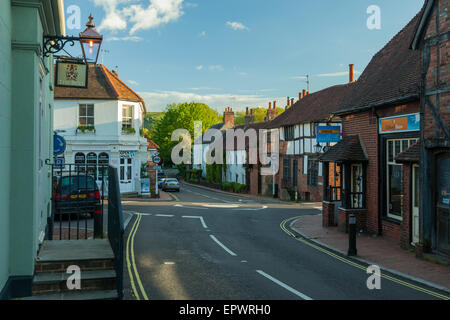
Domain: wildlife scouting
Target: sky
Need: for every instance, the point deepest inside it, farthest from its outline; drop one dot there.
(236, 53)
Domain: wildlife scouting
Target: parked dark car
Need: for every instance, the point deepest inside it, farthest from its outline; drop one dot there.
(171, 184)
(76, 194)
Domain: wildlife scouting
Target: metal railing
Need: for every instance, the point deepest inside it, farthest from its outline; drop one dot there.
(77, 195)
(115, 226)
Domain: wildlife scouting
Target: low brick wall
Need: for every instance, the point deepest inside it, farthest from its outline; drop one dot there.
(361, 219)
(328, 214)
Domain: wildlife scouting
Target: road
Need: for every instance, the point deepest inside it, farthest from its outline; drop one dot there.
(213, 246)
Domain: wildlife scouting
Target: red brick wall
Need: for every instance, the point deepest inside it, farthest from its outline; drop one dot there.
(366, 125)
(328, 214)
(361, 219)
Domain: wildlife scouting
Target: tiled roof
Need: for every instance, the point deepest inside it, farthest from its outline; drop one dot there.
(102, 85)
(151, 144)
(412, 154)
(392, 74)
(349, 149)
(317, 106)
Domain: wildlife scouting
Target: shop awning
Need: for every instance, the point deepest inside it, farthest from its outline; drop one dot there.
(412, 154)
(349, 149)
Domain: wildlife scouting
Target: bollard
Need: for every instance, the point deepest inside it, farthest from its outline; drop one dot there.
(352, 235)
(98, 223)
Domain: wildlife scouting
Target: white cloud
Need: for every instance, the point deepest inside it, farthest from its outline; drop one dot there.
(202, 34)
(217, 67)
(134, 83)
(199, 68)
(158, 12)
(236, 25)
(337, 74)
(157, 101)
(128, 38)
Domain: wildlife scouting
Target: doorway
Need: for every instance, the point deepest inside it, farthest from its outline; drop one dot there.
(415, 204)
(443, 204)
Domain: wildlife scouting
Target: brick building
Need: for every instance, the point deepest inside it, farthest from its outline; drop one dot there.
(380, 119)
(431, 41)
(300, 170)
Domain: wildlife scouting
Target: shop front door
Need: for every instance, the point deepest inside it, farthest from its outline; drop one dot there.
(443, 204)
(415, 204)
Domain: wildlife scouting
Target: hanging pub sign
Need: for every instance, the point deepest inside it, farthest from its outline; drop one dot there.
(328, 134)
(71, 74)
(404, 123)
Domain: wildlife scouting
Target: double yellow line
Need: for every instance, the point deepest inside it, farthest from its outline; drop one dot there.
(357, 265)
(131, 262)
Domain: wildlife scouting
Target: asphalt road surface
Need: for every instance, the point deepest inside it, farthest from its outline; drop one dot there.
(212, 246)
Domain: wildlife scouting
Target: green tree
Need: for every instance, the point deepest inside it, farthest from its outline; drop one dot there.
(181, 116)
(258, 115)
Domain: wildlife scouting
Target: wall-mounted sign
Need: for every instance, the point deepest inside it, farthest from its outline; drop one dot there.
(157, 159)
(71, 74)
(126, 154)
(325, 134)
(59, 145)
(404, 123)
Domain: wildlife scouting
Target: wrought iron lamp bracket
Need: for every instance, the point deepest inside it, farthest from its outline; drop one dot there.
(54, 44)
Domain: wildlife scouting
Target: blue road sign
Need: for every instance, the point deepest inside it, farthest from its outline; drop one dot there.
(59, 145)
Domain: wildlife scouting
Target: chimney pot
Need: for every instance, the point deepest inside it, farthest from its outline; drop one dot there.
(274, 104)
(246, 111)
(300, 96)
(270, 105)
(292, 101)
(352, 73)
(304, 93)
(288, 101)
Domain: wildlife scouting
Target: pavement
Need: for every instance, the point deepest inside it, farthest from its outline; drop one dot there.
(380, 251)
(209, 245)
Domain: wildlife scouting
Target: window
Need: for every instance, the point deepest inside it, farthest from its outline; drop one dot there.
(125, 170)
(86, 115)
(289, 133)
(80, 161)
(103, 162)
(356, 194)
(295, 173)
(394, 176)
(287, 170)
(127, 117)
(313, 172)
(92, 164)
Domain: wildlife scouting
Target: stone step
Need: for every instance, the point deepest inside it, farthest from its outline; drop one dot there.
(89, 255)
(46, 283)
(77, 295)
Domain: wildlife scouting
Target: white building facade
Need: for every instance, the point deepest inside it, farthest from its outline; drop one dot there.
(103, 127)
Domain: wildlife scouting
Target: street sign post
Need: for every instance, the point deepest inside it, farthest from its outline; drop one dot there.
(157, 159)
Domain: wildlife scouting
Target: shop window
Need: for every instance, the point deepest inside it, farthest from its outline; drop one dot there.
(86, 115)
(313, 172)
(357, 192)
(80, 162)
(92, 164)
(394, 176)
(103, 162)
(125, 170)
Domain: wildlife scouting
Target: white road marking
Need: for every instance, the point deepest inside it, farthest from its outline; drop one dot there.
(198, 208)
(223, 247)
(169, 263)
(285, 286)
(197, 217)
(222, 206)
(164, 215)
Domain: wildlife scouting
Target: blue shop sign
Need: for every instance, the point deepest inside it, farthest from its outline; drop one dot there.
(328, 134)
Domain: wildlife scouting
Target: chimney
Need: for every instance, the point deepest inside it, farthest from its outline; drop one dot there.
(292, 101)
(352, 73)
(304, 93)
(228, 116)
(270, 105)
(272, 113)
(307, 92)
(288, 101)
(248, 119)
(300, 96)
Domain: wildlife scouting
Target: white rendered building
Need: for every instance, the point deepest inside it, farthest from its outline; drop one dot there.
(102, 124)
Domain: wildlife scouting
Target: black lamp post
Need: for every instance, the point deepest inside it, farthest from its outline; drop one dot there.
(318, 148)
(89, 39)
